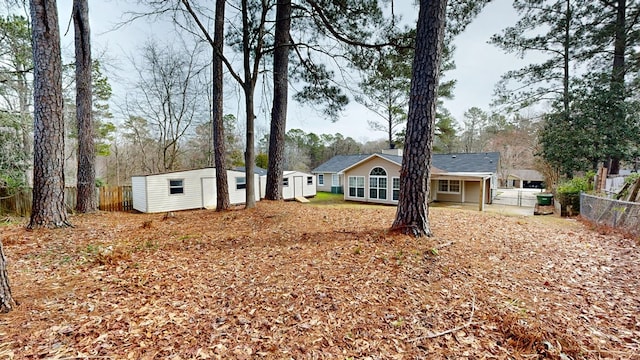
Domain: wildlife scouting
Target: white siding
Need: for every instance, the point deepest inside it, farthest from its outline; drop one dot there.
(139, 193)
(160, 200)
(238, 196)
(263, 186)
(288, 192)
(151, 193)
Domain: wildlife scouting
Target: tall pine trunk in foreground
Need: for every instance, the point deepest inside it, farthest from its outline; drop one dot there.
(48, 208)
(86, 183)
(222, 188)
(618, 112)
(6, 300)
(413, 211)
(280, 95)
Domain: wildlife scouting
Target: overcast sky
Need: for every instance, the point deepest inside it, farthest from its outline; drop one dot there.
(479, 65)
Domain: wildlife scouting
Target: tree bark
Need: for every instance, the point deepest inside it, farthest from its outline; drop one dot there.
(248, 86)
(6, 299)
(280, 97)
(222, 188)
(86, 178)
(618, 74)
(413, 211)
(48, 208)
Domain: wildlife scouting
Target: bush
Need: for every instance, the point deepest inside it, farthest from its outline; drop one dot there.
(576, 185)
(568, 193)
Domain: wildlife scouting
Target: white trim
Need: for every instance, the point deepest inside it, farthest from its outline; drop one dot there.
(335, 180)
(356, 187)
(181, 186)
(320, 179)
(448, 191)
(243, 182)
(365, 160)
(377, 186)
(393, 188)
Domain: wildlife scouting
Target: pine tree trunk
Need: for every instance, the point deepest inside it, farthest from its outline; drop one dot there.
(6, 300)
(222, 188)
(413, 211)
(618, 74)
(86, 179)
(280, 96)
(48, 208)
(248, 86)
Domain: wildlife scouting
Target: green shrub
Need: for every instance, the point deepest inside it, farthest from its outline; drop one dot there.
(576, 185)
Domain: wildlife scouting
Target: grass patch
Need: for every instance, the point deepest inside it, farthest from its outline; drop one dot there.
(326, 198)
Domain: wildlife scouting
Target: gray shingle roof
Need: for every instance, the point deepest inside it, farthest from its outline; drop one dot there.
(472, 162)
(338, 163)
(256, 170)
(459, 162)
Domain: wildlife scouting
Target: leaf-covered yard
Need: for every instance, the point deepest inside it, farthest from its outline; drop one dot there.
(294, 281)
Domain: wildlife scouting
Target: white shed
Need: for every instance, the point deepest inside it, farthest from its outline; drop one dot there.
(183, 190)
(294, 183)
(298, 184)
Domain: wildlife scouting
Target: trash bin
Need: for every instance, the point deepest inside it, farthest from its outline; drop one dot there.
(545, 199)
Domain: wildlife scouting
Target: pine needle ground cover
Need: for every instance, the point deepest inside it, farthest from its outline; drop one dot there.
(297, 281)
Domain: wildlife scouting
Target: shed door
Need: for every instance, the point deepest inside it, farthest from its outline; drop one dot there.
(208, 193)
(298, 186)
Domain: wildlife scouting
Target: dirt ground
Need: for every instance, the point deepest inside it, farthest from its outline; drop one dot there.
(298, 281)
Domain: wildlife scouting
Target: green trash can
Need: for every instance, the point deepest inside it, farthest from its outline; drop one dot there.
(545, 199)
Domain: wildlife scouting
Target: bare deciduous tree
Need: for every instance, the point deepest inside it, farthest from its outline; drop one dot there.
(170, 98)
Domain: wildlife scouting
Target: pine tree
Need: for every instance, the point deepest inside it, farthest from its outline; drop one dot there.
(48, 208)
(86, 184)
(412, 213)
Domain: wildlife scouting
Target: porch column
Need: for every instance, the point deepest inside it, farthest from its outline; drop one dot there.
(482, 192)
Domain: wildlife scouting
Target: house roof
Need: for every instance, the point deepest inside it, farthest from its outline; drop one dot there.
(441, 163)
(338, 163)
(467, 162)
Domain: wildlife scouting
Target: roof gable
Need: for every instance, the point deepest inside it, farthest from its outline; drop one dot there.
(397, 160)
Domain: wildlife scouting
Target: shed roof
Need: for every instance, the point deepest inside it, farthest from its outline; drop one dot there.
(256, 170)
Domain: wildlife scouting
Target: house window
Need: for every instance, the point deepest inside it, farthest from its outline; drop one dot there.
(335, 180)
(241, 183)
(309, 180)
(396, 188)
(449, 186)
(356, 186)
(176, 186)
(378, 183)
(321, 179)
(285, 182)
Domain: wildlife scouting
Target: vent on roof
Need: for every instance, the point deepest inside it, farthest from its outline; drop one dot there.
(453, 156)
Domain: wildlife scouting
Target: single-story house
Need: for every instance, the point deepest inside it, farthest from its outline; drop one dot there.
(524, 179)
(464, 178)
(294, 183)
(328, 175)
(184, 190)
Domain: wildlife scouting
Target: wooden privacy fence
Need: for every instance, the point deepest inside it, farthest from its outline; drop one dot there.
(111, 198)
(116, 198)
